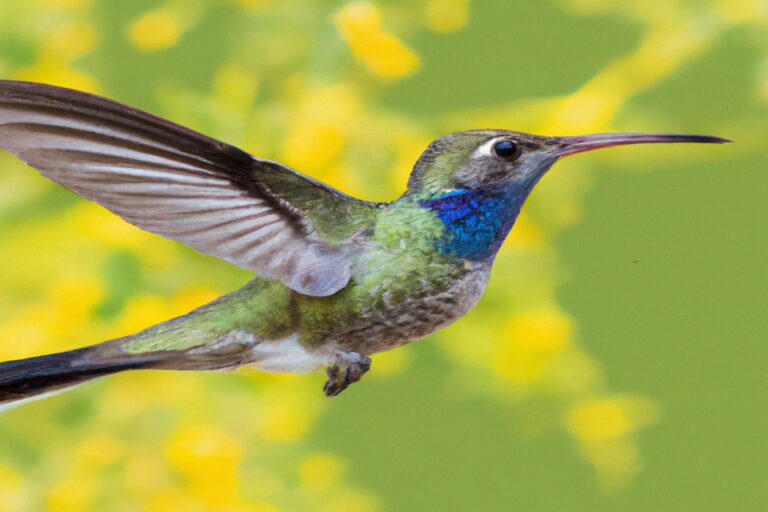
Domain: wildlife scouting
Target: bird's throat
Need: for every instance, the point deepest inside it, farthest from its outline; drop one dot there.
(476, 221)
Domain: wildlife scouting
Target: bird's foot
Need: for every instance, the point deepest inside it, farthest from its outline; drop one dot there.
(349, 368)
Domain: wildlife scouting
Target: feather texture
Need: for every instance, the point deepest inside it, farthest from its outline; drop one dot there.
(175, 182)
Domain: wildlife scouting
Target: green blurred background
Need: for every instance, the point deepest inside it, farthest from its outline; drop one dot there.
(617, 362)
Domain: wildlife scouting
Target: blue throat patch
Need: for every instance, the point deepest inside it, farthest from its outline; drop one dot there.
(477, 222)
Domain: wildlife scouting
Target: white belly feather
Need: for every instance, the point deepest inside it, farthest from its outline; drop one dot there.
(287, 355)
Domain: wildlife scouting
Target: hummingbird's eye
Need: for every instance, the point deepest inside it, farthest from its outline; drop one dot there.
(506, 149)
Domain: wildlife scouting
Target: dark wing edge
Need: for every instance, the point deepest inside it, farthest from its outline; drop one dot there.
(170, 180)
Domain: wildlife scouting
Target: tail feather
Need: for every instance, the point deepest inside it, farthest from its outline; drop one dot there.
(28, 378)
(34, 377)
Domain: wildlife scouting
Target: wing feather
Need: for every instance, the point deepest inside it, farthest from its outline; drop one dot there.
(172, 181)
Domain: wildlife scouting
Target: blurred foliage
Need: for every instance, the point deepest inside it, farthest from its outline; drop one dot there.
(323, 87)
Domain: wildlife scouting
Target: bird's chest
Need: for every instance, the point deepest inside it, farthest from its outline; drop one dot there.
(410, 303)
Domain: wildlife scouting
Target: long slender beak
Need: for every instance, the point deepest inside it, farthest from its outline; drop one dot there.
(581, 143)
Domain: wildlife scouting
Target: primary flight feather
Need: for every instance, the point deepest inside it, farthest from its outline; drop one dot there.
(180, 184)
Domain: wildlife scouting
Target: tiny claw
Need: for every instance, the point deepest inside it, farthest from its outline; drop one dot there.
(335, 383)
(349, 368)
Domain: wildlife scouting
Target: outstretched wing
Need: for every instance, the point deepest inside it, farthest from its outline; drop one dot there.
(172, 181)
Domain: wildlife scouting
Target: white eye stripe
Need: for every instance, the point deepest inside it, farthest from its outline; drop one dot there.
(486, 150)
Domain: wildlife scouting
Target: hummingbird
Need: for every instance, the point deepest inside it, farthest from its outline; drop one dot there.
(337, 278)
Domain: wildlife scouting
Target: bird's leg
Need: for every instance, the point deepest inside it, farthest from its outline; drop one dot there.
(348, 368)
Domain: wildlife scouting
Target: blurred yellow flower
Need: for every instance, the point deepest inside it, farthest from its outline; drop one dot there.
(596, 104)
(318, 128)
(741, 11)
(603, 426)
(98, 451)
(210, 459)
(391, 362)
(97, 222)
(532, 340)
(143, 472)
(141, 311)
(257, 507)
(66, 4)
(408, 146)
(61, 315)
(175, 500)
(446, 15)
(313, 145)
(156, 30)
(74, 493)
(360, 26)
(285, 420)
(192, 297)
(615, 460)
(70, 40)
(71, 302)
(526, 235)
(586, 111)
(11, 489)
(598, 419)
(106, 228)
(51, 70)
(320, 470)
(253, 4)
(235, 88)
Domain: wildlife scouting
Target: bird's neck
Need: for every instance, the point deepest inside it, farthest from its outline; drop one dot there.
(476, 221)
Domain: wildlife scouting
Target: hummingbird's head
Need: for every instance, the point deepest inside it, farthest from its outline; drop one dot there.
(481, 159)
(476, 181)
(500, 159)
